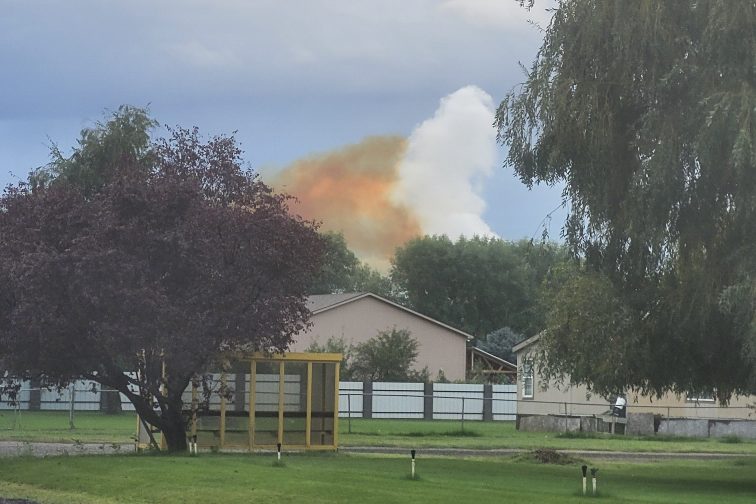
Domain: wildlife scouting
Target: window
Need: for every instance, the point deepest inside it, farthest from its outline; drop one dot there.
(699, 397)
(527, 378)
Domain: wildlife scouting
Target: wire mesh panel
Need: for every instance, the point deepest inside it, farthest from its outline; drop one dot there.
(267, 389)
(322, 404)
(259, 400)
(237, 406)
(208, 422)
(295, 403)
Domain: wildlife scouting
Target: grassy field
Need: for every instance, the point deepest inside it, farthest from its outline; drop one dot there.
(490, 435)
(100, 428)
(338, 478)
(329, 477)
(53, 426)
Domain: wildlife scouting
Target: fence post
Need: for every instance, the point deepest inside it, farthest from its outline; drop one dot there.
(35, 396)
(349, 411)
(463, 413)
(110, 401)
(488, 403)
(428, 401)
(240, 382)
(565, 418)
(73, 401)
(367, 399)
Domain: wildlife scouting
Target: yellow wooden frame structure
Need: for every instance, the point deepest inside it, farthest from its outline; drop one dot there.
(254, 358)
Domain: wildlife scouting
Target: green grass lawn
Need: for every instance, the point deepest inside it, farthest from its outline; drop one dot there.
(101, 428)
(345, 478)
(54, 426)
(329, 477)
(490, 435)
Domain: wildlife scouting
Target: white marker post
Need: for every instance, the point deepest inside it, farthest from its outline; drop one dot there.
(412, 452)
(194, 442)
(279, 451)
(585, 474)
(593, 476)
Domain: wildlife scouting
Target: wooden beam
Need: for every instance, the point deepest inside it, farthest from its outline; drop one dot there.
(308, 426)
(336, 406)
(252, 399)
(223, 408)
(280, 401)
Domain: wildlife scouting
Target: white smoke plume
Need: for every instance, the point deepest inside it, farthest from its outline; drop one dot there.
(386, 190)
(447, 158)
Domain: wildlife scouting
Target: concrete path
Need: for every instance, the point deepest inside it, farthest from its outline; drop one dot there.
(588, 454)
(20, 448)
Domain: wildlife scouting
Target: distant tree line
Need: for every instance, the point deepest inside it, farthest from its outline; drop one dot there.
(487, 287)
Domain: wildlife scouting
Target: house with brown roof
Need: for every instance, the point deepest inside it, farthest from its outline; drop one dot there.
(359, 316)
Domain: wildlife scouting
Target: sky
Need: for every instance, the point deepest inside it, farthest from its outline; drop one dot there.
(375, 114)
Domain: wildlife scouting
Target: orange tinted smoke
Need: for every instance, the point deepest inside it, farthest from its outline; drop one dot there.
(349, 190)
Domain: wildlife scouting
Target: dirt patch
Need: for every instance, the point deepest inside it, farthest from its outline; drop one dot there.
(548, 457)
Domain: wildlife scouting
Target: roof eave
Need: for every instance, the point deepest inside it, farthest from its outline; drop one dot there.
(413, 312)
(524, 344)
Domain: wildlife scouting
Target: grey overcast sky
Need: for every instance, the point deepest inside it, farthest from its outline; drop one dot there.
(292, 77)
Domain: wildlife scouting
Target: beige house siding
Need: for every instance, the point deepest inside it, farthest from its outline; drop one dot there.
(579, 402)
(359, 320)
(555, 398)
(671, 405)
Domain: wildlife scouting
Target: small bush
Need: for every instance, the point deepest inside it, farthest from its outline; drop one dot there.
(732, 439)
(544, 456)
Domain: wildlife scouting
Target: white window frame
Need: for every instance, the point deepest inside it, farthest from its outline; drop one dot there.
(696, 398)
(527, 378)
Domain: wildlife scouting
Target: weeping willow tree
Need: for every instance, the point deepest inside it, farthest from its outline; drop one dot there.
(646, 111)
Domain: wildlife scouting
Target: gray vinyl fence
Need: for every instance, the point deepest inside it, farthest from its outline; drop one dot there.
(428, 401)
(84, 394)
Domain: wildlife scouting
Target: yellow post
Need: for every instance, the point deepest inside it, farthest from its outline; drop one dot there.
(280, 401)
(336, 407)
(252, 390)
(223, 408)
(308, 423)
(138, 433)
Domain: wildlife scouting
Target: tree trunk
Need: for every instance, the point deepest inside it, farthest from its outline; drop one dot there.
(171, 422)
(175, 437)
(110, 402)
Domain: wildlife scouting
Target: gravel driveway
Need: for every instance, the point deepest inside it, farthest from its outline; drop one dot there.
(19, 448)
(603, 455)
